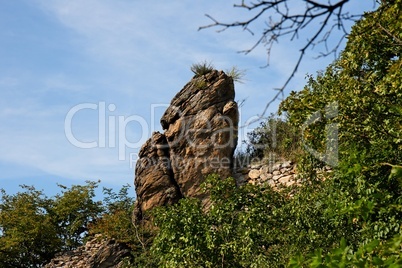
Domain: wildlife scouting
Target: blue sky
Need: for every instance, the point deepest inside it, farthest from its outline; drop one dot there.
(117, 60)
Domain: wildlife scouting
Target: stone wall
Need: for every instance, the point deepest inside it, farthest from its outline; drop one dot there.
(276, 175)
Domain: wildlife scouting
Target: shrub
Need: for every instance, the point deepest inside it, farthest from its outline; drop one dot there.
(275, 139)
(236, 74)
(115, 221)
(34, 227)
(200, 69)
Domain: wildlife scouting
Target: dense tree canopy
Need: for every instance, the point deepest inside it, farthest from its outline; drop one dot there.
(34, 227)
(28, 236)
(365, 83)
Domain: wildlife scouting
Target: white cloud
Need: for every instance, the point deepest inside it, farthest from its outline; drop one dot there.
(131, 54)
(125, 33)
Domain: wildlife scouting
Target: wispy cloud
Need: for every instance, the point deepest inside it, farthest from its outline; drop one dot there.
(132, 54)
(128, 53)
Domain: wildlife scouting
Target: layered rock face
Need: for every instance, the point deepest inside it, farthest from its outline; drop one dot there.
(200, 136)
(96, 253)
(154, 181)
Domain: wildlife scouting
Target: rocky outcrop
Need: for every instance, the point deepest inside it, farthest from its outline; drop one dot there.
(200, 136)
(201, 130)
(154, 183)
(96, 253)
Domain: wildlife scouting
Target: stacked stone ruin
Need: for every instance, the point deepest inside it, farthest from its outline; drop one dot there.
(282, 174)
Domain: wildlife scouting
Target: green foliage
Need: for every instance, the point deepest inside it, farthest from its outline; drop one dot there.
(200, 83)
(274, 139)
(250, 226)
(28, 237)
(366, 85)
(372, 254)
(34, 227)
(236, 74)
(231, 234)
(200, 69)
(115, 221)
(349, 217)
(72, 211)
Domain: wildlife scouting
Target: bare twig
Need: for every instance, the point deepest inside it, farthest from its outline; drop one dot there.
(282, 21)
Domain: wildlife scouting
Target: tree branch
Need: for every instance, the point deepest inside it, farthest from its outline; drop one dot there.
(399, 41)
(283, 21)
